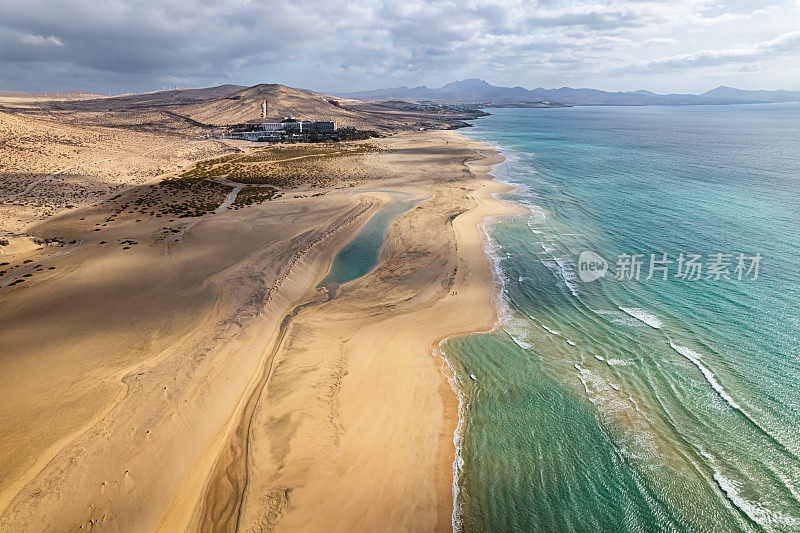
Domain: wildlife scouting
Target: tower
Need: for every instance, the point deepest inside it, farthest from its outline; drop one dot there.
(264, 109)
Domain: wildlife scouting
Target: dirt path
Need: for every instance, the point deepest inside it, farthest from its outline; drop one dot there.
(230, 199)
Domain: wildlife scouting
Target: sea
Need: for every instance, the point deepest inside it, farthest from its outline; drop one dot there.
(644, 374)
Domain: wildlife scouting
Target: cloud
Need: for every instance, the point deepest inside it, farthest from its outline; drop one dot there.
(661, 40)
(142, 44)
(39, 40)
(788, 43)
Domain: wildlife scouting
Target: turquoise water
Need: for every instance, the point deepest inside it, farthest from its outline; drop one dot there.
(361, 254)
(638, 405)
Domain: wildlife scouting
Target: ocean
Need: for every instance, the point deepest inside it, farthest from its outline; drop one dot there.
(654, 385)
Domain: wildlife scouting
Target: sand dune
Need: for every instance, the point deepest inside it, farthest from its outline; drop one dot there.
(185, 397)
(81, 164)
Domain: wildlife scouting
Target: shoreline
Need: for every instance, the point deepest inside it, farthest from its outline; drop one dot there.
(482, 168)
(362, 416)
(383, 402)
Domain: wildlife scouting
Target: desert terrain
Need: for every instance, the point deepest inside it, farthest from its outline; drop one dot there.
(169, 361)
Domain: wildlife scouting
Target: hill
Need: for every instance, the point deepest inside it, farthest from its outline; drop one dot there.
(477, 91)
(764, 96)
(200, 111)
(244, 105)
(282, 101)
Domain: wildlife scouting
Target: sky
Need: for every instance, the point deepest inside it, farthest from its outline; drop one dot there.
(618, 45)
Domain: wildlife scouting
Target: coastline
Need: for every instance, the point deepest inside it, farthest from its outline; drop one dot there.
(357, 418)
(483, 168)
(364, 420)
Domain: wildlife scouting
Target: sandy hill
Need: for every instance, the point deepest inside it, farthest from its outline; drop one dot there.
(78, 101)
(172, 97)
(198, 111)
(245, 105)
(216, 106)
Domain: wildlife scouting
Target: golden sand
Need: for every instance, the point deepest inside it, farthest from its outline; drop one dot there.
(198, 380)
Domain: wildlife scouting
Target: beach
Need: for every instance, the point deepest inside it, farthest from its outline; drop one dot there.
(190, 375)
(649, 402)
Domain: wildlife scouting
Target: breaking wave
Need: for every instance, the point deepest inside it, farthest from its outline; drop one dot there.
(643, 316)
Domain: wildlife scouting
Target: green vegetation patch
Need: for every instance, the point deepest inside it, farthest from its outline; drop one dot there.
(277, 165)
(255, 195)
(182, 197)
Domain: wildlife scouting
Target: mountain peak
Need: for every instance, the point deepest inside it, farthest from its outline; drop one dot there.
(469, 83)
(722, 90)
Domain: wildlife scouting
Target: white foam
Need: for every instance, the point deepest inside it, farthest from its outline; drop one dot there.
(586, 380)
(643, 316)
(549, 330)
(567, 275)
(617, 317)
(507, 319)
(517, 329)
(559, 266)
(458, 437)
(635, 405)
(694, 357)
(491, 249)
(617, 362)
(766, 518)
(598, 389)
(521, 343)
(538, 215)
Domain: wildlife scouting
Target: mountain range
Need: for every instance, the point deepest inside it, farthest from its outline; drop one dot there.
(476, 91)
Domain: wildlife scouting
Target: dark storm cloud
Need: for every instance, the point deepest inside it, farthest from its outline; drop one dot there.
(160, 39)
